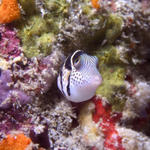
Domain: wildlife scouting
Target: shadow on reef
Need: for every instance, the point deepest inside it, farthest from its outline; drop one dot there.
(139, 123)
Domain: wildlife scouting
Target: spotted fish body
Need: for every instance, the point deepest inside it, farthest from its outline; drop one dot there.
(79, 77)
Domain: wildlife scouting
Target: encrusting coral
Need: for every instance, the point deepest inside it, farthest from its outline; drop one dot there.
(9, 11)
(108, 122)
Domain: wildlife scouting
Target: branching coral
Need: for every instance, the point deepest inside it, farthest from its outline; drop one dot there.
(9, 11)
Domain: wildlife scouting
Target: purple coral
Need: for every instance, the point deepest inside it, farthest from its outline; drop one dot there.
(5, 80)
(10, 48)
(8, 93)
(9, 42)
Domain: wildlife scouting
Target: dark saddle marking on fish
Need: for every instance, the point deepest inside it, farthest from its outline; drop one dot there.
(68, 63)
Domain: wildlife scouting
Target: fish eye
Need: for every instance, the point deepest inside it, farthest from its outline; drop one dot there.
(77, 61)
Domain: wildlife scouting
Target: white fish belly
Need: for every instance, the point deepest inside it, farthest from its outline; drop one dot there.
(81, 94)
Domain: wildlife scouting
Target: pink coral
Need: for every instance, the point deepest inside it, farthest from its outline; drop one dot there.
(9, 42)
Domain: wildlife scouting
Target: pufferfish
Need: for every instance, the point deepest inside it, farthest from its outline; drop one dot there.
(79, 77)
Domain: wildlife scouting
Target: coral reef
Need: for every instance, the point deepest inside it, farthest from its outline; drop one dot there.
(105, 132)
(10, 53)
(35, 76)
(55, 121)
(15, 83)
(46, 122)
(88, 31)
(106, 121)
(9, 11)
(32, 50)
(132, 140)
(17, 70)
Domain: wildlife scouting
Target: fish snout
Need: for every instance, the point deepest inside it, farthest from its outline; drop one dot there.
(97, 80)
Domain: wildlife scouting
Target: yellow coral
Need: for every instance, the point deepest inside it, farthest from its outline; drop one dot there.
(15, 142)
(9, 11)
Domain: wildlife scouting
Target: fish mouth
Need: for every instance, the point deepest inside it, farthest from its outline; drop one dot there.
(97, 80)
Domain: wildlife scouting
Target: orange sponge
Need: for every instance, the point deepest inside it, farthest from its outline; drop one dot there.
(95, 4)
(9, 11)
(15, 142)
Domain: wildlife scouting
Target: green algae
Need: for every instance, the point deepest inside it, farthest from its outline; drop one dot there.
(35, 37)
(105, 28)
(35, 26)
(108, 27)
(57, 7)
(113, 28)
(113, 72)
(43, 40)
(38, 32)
(109, 55)
(86, 7)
